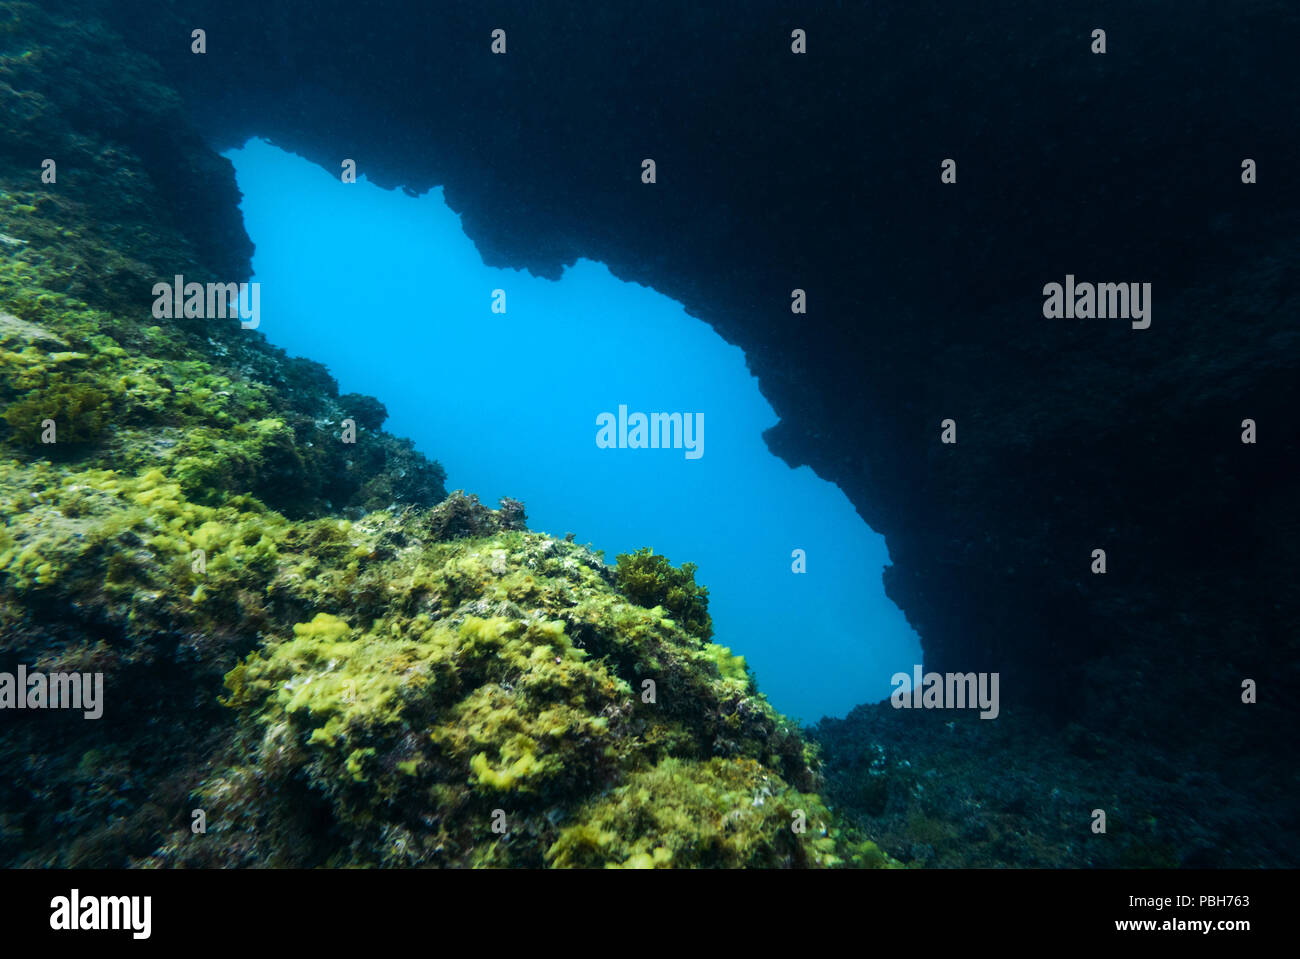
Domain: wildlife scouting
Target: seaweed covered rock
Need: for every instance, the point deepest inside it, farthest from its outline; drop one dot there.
(205, 400)
(494, 700)
(723, 812)
(150, 471)
(461, 515)
(651, 580)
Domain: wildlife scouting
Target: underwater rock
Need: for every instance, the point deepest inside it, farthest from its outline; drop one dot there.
(953, 791)
(461, 515)
(497, 692)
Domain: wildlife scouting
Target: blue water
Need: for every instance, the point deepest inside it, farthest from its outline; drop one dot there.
(388, 292)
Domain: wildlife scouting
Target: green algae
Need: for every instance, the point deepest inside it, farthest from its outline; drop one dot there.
(75, 406)
(501, 674)
(193, 464)
(651, 580)
(721, 813)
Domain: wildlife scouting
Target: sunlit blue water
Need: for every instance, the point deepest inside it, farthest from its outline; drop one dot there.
(389, 293)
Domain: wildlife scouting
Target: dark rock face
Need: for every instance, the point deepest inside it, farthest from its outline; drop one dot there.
(131, 165)
(821, 172)
(953, 791)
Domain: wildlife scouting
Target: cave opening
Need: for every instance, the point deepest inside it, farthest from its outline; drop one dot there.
(505, 378)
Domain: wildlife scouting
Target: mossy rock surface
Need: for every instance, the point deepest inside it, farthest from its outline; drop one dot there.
(491, 704)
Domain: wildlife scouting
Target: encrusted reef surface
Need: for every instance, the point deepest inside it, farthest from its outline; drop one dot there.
(950, 790)
(496, 681)
(306, 639)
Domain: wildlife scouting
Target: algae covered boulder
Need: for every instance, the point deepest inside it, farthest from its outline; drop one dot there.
(498, 702)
